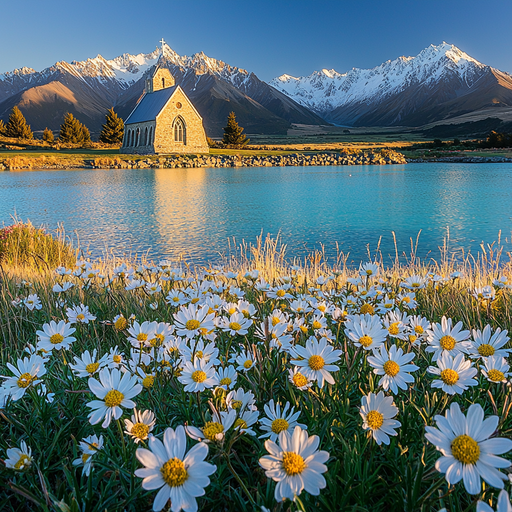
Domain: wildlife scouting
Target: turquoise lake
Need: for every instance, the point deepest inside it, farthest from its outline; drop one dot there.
(194, 212)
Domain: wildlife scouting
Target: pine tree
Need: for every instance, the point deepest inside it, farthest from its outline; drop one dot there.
(113, 130)
(233, 135)
(72, 130)
(48, 135)
(17, 126)
(2, 127)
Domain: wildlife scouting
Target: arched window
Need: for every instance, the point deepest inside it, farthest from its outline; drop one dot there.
(150, 135)
(179, 130)
(163, 83)
(146, 136)
(130, 143)
(137, 137)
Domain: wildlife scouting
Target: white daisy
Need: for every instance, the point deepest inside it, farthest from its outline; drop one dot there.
(25, 375)
(394, 366)
(365, 331)
(88, 364)
(245, 361)
(447, 339)
(55, 336)
(89, 446)
(214, 430)
(468, 453)
(140, 425)
(198, 376)
(496, 369)
(113, 392)
(32, 302)
(485, 345)
(227, 377)
(377, 412)
(295, 464)
(192, 320)
(79, 314)
(298, 379)
(278, 420)
(141, 334)
(317, 358)
(180, 476)
(245, 421)
(235, 324)
(456, 374)
(20, 458)
(240, 400)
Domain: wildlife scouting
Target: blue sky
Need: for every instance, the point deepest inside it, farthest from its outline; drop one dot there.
(267, 37)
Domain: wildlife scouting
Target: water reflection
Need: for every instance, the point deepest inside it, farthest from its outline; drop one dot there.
(192, 212)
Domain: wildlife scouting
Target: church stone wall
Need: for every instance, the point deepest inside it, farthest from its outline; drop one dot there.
(195, 137)
(130, 148)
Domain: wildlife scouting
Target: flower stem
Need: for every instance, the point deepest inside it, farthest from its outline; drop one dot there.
(239, 480)
(121, 433)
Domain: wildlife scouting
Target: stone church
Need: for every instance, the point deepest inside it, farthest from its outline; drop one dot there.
(164, 120)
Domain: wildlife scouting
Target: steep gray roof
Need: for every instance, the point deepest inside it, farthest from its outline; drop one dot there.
(150, 106)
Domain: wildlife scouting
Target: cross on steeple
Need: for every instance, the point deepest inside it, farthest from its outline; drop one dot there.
(162, 42)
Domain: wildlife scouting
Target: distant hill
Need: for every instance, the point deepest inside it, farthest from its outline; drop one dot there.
(89, 88)
(440, 83)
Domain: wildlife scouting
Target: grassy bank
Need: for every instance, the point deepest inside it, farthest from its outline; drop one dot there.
(283, 306)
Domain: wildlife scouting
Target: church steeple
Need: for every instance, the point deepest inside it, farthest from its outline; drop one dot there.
(160, 79)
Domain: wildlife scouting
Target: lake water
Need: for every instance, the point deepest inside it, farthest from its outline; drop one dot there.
(194, 212)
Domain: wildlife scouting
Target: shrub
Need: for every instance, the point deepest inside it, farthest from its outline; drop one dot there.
(24, 245)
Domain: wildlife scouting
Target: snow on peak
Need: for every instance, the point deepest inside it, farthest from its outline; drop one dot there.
(328, 89)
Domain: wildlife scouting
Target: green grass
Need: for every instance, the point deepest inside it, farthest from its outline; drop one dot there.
(361, 476)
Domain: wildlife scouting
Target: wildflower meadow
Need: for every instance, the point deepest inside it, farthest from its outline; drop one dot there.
(255, 385)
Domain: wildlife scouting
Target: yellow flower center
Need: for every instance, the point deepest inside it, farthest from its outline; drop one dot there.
(192, 325)
(199, 376)
(140, 430)
(92, 367)
(406, 300)
(113, 398)
(240, 423)
(85, 457)
(465, 449)
(121, 324)
(23, 461)
(157, 340)
(246, 313)
(279, 425)
(321, 308)
(148, 381)
(365, 340)
(212, 429)
(280, 293)
(391, 368)
(393, 329)
(226, 381)
(199, 354)
(80, 317)
(412, 338)
(25, 379)
(195, 300)
(247, 364)
(449, 376)
(175, 299)
(495, 375)
(56, 338)
(316, 362)
(235, 326)
(486, 350)
(236, 404)
(231, 310)
(367, 308)
(418, 329)
(142, 336)
(447, 342)
(116, 358)
(174, 472)
(299, 380)
(293, 463)
(317, 325)
(275, 321)
(304, 328)
(374, 419)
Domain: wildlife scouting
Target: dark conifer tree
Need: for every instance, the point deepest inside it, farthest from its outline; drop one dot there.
(2, 127)
(113, 130)
(233, 135)
(72, 130)
(48, 135)
(17, 126)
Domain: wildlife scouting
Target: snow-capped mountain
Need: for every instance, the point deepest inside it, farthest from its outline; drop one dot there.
(89, 88)
(440, 82)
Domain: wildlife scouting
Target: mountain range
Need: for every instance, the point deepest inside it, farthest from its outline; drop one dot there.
(440, 84)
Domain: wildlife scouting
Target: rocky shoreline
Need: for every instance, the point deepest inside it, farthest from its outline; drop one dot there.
(461, 160)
